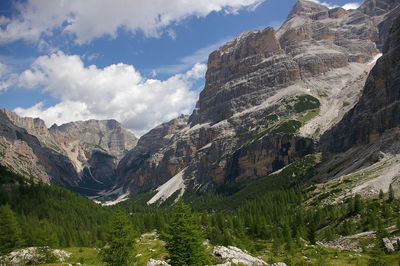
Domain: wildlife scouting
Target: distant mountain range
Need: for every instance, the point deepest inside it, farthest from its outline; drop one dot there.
(318, 85)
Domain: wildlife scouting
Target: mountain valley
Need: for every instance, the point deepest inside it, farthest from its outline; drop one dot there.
(292, 148)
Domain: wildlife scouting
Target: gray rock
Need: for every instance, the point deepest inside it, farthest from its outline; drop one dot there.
(153, 262)
(388, 245)
(236, 256)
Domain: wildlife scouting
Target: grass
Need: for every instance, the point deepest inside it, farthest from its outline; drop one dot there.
(305, 102)
(310, 115)
(150, 247)
(287, 127)
(318, 255)
(82, 255)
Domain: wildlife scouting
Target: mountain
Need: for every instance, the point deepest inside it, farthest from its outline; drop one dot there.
(85, 153)
(269, 96)
(25, 154)
(366, 141)
(95, 148)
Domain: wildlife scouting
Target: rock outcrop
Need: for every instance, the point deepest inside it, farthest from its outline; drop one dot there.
(34, 255)
(236, 256)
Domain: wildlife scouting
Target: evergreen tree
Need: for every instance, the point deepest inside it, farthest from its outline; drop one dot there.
(381, 195)
(391, 193)
(184, 240)
(358, 205)
(120, 241)
(10, 231)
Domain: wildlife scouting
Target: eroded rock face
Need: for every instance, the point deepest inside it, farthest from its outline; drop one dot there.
(320, 52)
(379, 106)
(311, 42)
(108, 135)
(25, 154)
(266, 156)
(151, 163)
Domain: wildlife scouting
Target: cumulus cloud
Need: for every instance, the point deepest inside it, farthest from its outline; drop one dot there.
(353, 5)
(89, 19)
(117, 91)
(7, 77)
(349, 6)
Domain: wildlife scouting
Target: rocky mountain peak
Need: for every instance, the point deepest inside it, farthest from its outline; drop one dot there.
(108, 135)
(34, 126)
(306, 8)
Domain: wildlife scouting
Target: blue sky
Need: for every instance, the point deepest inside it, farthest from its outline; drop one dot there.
(141, 62)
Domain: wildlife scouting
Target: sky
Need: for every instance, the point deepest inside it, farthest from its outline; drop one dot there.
(141, 62)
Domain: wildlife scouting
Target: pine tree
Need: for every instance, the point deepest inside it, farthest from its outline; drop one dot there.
(358, 204)
(381, 195)
(184, 240)
(10, 231)
(120, 241)
(391, 193)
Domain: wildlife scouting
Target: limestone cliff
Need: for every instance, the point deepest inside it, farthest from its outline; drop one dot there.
(26, 155)
(268, 96)
(379, 106)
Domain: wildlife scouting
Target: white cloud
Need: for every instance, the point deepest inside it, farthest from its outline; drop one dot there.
(7, 78)
(89, 19)
(117, 91)
(353, 5)
(349, 6)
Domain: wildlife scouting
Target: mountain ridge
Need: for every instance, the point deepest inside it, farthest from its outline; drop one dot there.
(270, 98)
(92, 147)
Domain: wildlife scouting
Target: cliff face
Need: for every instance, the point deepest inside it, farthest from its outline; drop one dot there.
(379, 106)
(268, 96)
(107, 135)
(256, 65)
(26, 155)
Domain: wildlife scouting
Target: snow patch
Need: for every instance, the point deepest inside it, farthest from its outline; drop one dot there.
(373, 61)
(205, 146)
(170, 187)
(121, 198)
